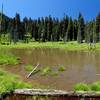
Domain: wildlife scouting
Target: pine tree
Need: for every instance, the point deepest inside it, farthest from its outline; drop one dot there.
(75, 29)
(70, 30)
(17, 27)
(50, 26)
(65, 28)
(39, 25)
(98, 27)
(81, 26)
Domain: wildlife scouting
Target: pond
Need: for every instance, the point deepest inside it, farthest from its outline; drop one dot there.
(80, 66)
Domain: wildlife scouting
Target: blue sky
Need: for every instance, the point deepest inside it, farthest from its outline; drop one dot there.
(55, 8)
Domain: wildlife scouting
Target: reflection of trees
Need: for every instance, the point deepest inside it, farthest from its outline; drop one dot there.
(97, 62)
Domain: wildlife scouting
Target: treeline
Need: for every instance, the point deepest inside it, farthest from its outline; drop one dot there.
(51, 29)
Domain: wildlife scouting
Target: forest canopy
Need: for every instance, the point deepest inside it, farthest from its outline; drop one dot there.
(50, 29)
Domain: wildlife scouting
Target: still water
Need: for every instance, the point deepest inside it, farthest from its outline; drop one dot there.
(80, 66)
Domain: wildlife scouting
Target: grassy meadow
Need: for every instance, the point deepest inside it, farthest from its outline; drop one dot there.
(70, 46)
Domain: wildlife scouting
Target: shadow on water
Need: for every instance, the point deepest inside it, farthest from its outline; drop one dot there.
(80, 66)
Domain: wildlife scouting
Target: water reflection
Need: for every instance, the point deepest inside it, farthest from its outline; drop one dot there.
(80, 66)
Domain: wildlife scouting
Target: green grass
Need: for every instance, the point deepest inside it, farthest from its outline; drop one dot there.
(61, 68)
(28, 67)
(95, 86)
(68, 46)
(55, 73)
(8, 59)
(81, 87)
(71, 46)
(46, 71)
(49, 71)
(9, 82)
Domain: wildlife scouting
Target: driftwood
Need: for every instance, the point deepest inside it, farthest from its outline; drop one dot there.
(39, 92)
(32, 71)
(27, 94)
(45, 92)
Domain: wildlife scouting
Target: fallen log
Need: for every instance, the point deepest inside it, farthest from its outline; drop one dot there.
(32, 71)
(46, 92)
(39, 92)
(27, 94)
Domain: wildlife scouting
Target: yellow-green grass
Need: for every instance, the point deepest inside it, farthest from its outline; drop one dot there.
(82, 87)
(6, 59)
(68, 46)
(28, 67)
(71, 46)
(9, 82)
(61, 68)
(48, 71)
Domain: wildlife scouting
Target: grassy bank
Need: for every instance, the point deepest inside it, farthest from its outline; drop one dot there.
(71, 46)
(6, 58)
(10, 82)
(82, 87)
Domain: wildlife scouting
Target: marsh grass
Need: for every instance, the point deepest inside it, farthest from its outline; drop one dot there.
(46, 71)
(95, 86)
(69, 46)
(28, 67)
(10, 82)
(6, 59)
(55, 73)
(81, 87)
(61, 68)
